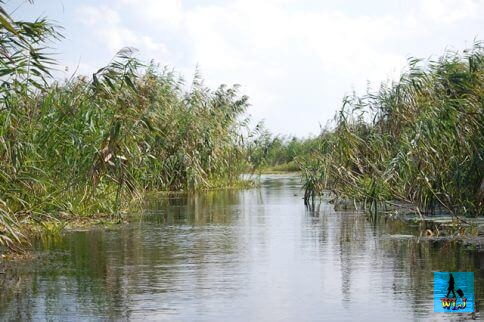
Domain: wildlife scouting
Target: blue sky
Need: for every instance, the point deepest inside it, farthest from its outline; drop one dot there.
(295, 59)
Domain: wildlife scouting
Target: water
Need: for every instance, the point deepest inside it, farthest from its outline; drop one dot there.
(253, 255)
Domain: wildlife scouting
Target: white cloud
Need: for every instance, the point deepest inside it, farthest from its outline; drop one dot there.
(271, 51)
(295, 59)
(450, 11)
(93, 16)
(165, 13)
(106, 27)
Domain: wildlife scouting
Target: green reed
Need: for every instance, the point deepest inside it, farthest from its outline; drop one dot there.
(418, 140)
(91, 145)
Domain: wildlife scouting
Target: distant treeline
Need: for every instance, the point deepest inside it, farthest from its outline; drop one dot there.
(419, 140)
(268, 152)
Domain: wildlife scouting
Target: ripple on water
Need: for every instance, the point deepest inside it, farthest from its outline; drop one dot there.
(238, 255)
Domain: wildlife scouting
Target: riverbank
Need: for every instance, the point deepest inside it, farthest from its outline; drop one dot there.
(440, 226)
(419, 140)
(90, 146)
(468, 231)
(32, 227)
(289, 167)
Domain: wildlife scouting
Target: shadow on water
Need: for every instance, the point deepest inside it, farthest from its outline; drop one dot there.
(255, 254)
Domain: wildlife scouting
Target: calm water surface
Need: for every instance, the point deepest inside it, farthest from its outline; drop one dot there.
(253, 255)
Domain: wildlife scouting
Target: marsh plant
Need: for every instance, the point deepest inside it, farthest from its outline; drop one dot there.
(269, 152)
(418, 140)
(90, 145)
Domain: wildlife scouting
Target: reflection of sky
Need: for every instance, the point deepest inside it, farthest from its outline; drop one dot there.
(253, 255)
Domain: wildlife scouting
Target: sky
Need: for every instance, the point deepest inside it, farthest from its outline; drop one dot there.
(295, 59)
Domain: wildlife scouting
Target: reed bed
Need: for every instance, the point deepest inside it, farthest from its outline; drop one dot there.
(418, 140)
(90, 145)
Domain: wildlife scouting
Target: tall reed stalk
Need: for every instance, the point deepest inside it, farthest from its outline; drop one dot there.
(90, 145)
(418, 140)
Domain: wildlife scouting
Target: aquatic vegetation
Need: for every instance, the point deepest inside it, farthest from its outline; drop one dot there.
(91, 145)
(276, 153)
(418, 140)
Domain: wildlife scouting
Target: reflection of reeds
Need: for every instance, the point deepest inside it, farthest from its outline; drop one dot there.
(88, 146)
(419, 140)
(213, 207)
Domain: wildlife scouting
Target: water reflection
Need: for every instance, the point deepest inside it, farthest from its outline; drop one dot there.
(236, 255)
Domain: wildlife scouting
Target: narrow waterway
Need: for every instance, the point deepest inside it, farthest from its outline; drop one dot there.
(238, 255)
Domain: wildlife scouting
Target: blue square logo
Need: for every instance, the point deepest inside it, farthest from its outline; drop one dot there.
(453, 292)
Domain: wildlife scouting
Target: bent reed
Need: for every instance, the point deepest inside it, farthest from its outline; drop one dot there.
(90, 145)
(418, 140)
